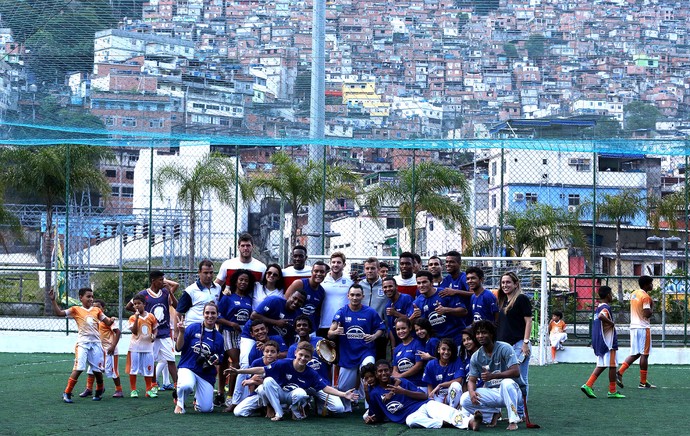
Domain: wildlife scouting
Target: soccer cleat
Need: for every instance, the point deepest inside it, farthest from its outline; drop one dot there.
(98, 395)
(67, 398)
(118, 394)
(152, 393)
(588, 391)
(615, 395)
(168, 387)
(646, 385)
(134, 394)
(619, 380)
(87, 393)
(218, 399)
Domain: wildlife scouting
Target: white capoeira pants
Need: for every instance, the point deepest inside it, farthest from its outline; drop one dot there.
(242, 392)
(347, 379)
(248, 406)
(332, 403)
(271, 393)
(491, 400)
(188, 382)
(450, 396)
(433, 414)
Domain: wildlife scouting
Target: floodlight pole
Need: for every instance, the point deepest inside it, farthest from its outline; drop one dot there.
(317, 116)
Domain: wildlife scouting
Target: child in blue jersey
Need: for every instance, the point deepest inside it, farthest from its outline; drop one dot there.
(400, 401)
(398, 305)
(605, 345)
(287, 381)
(470, 345)
(425, 334)
(483, 302)
(201, 346)
(445, 374)
(446, 314)
(252, 402)
(357, 327)
(234, 309)
(407, 361)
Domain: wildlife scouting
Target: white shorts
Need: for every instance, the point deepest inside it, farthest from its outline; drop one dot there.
(90, 353)
(140, 363)
(231, 339)
(608, 360)
(640, 341)
(164, 349)
(558, 338)
(111, 366)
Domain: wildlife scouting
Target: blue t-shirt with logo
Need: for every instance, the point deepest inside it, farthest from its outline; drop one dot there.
(284, 373)
(352, 348)
(445, 326)
(234, 308)
(398, 408)
(405, 357)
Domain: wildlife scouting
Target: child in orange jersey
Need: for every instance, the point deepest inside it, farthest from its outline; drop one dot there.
(557, 334)
(88, 350)
(144, 327)
(110, 337)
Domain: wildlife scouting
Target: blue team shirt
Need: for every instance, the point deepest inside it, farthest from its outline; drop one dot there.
(604, 338)
(445, 326)
(285, 374)
(234, 308)
(275, 308)
(313, 302)
(435, 373)
(484, 306)
(322, 367)
(398, 408)
(197, 337)
(404, 306)
(160, 308)
(255, 353)
(460, 284)
(352, 348)
(431, 346)
(405, 357)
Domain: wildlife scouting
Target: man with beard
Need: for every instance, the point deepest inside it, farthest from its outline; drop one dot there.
(314, 292)
(446, 314)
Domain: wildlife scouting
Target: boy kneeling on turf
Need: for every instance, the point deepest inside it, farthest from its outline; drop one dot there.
(88, 350)
(287, 381)
(144, 328)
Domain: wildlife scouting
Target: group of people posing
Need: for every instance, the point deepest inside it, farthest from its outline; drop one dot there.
(420, 348)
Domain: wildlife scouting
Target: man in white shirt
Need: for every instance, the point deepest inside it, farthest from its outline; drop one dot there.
(190, 306)
(245, 260)
(336, 285)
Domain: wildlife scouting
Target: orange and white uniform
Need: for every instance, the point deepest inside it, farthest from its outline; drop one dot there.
(140, 355)
(88, 350)
(557, 333)
(640, 331)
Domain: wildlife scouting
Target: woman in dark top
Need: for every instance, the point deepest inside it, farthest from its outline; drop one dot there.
(515, 321)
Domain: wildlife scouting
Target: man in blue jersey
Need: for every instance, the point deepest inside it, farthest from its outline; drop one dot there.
(400, 401)
(357, 327)
(159, 296)
(287, 381)
(455, 282)
(446, 314)
(313, 290)
(398, 305)
(483, 302)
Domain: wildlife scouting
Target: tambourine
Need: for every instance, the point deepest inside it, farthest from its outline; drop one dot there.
(326, 350)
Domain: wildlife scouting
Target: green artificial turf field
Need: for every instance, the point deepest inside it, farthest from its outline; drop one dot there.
(32, 385)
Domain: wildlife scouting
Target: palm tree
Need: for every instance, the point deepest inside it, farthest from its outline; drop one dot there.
(300, 185)
(42, 172)
(538, 227)
(669, 209)
(620, 208)
(8, 223)
(213, 173)
(424, 187)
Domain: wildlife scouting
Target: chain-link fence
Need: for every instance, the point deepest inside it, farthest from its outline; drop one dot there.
(585, 212)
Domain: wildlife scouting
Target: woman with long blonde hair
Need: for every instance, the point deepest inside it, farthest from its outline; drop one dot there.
(515, 323)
